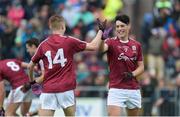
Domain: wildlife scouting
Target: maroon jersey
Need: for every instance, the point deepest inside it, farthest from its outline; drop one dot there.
(11, 70)
(123, 57)
(57, 52)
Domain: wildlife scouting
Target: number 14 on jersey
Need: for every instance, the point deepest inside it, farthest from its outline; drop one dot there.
(58, 59)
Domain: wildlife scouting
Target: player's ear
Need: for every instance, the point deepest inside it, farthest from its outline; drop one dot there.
(63, 27)
(129, 26)
(50, 26)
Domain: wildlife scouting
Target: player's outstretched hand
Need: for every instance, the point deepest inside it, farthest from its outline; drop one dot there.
(27, 86)
(101, 25)
(128, 75)
(2, 112)
(106, 33)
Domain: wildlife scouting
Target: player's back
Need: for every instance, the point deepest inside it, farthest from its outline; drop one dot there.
(57, 55)
(12, 71)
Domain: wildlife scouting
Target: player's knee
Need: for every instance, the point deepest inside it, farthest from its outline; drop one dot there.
(23, 113)
(70, 111)
(110, 113)
(10, 113)
(114, 112)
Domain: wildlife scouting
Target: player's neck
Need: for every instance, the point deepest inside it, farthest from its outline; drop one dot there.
(58, 32)
(124, 38)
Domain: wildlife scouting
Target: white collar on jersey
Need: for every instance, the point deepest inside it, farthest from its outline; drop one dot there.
(124, 41)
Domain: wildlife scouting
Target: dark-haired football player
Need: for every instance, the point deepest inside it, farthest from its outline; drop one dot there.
(125, 61)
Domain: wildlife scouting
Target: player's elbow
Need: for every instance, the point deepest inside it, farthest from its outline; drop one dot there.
(92, 47)
(142, 68)
(95, 47)
(31, 65)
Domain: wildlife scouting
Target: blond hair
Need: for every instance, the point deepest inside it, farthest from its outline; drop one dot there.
(56, 22)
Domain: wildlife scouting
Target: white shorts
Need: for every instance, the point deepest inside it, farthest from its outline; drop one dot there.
(53, 101)
(124, 98)
(16, 96)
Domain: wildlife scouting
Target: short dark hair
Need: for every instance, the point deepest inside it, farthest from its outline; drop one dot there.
(123, 18)
(33, 41)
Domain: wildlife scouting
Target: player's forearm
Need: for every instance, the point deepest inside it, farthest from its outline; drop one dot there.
(24, 65)
(40, 79)
(139, 70)
(31, 68)
(101, 47)
(2, 93)
(96, 42)
(31, 74)
(2, 96)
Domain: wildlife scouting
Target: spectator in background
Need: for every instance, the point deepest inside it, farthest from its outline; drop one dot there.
(69, 14)
(7, 37)
(27, 34)
(111, 9)
(146, 31)
(125, 61)
(3, 6)
(160, 16)
(85, 21)
(178, 93)
(82, 72)
(86, 16)
(165, 97)
(16, 13)
(148, 85)
(44, 13)
(30, 9)
(155, 53)
(176, 16)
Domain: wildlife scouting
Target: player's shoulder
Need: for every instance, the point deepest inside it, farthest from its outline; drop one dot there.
(111, 39)
(134, 41)
(43, 43)
(73, 38)
(1, 62)
(18, 61)
(9, 61)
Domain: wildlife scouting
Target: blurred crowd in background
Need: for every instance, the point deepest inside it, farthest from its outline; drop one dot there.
(159, 33)
(160, 36)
